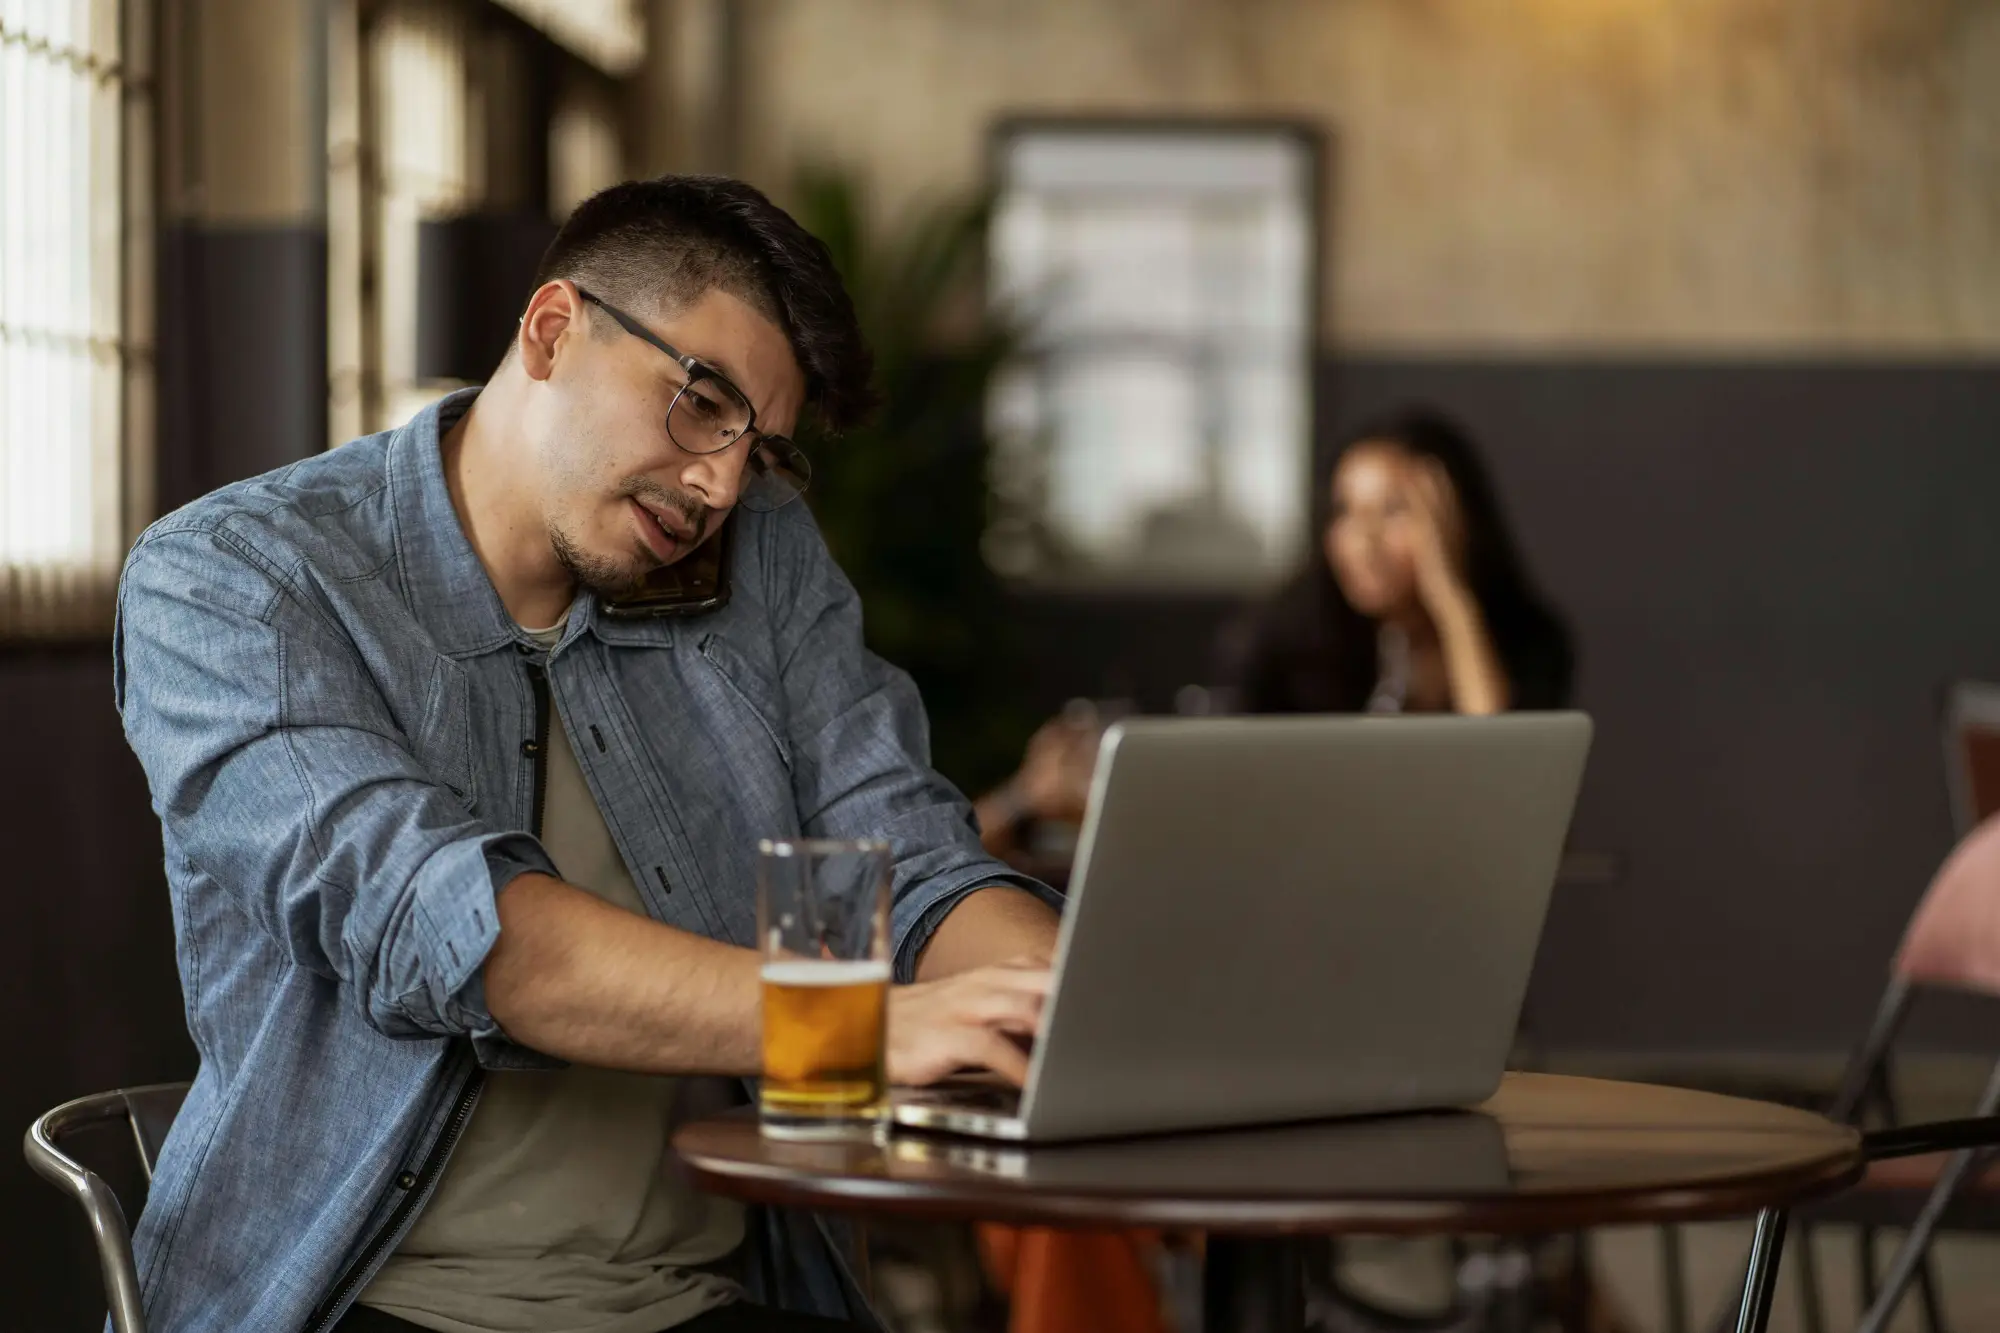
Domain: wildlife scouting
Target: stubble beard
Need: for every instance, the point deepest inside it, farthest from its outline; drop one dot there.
(609, 577)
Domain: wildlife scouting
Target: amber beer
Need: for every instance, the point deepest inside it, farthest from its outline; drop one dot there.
(823, 925)
(824, 1033)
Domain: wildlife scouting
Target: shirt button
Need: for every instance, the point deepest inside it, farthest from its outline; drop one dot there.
(529, 749)
(406, 1181)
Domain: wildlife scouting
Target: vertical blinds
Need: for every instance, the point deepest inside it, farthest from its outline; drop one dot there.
(73, 390)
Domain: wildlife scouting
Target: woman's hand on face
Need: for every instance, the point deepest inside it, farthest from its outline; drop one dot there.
(1436, 535)
(1473, 671)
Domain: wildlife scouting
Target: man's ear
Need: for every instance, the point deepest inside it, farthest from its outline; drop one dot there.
(554, 310)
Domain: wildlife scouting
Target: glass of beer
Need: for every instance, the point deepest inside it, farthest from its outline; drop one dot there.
(823, 926)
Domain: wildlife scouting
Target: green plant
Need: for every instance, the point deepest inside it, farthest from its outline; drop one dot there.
(904, 499)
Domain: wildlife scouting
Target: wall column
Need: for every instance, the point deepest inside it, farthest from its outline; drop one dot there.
(242, 257)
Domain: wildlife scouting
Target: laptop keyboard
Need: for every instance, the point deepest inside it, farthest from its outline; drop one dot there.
(983, 1098)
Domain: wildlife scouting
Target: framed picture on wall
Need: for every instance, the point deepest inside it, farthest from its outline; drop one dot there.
(1154, 429)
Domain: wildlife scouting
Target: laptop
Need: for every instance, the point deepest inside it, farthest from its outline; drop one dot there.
(1290, 918)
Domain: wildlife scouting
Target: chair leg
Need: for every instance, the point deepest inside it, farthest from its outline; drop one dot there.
(1929, 1296)
(1673, 1278)
(1914, 1255)
(1760, 1282)
(1864, 1265)
(1812, 1311)
(1864, 1067)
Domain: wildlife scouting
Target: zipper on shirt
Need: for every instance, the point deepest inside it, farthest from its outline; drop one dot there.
(414, 1194)
(538, 748)
(419, 1186)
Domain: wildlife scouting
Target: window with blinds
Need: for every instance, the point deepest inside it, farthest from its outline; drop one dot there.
(74, 379)
(1155, 429)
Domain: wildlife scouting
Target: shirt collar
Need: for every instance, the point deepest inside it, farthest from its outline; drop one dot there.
(446, 585)
(448, 589)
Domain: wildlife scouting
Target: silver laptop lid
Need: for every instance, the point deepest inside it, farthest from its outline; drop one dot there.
(1284, 918)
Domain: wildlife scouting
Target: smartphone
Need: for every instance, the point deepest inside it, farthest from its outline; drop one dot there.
(691, 586)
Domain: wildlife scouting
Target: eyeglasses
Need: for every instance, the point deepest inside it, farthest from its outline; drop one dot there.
(710, 414)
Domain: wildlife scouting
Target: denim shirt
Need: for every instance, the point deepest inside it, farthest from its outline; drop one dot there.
(338, 722)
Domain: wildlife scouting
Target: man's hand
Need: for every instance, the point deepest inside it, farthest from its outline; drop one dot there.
(977, 1020)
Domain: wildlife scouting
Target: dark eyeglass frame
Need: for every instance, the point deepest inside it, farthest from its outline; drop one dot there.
(781, 446)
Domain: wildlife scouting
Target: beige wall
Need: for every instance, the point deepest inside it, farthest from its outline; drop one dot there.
(1691, 175)
(243, 128)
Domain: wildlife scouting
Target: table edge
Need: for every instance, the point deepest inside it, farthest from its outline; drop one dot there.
(1736, 1197)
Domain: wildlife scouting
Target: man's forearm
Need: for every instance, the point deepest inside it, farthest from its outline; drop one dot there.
(575, 977)
(992, 925)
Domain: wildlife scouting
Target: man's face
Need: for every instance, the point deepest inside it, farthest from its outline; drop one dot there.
(620, 499)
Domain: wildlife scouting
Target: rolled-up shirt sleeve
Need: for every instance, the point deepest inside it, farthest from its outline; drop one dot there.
(860, 745)
(279, 770)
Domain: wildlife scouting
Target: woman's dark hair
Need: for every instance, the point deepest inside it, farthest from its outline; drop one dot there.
(668, 240)
(1307, 650)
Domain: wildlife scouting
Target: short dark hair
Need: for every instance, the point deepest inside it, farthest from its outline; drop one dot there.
(670, 239)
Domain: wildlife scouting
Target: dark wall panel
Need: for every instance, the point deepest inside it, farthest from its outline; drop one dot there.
(242, 353)
(1772, 570)
(87, 981)
(1135, 650)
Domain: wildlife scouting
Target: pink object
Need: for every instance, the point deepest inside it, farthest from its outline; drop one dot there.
(1954, 936)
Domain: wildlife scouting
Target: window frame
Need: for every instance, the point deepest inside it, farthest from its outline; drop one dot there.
(74, 599)
(1314, 145)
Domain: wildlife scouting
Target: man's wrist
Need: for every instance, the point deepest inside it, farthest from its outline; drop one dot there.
(989, 924)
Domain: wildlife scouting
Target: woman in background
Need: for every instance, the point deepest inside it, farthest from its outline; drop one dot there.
(1417, 600)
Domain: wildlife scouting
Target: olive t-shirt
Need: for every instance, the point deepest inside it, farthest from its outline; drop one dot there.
(561, 1210)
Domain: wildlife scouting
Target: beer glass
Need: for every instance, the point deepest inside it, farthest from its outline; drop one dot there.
(823, 928)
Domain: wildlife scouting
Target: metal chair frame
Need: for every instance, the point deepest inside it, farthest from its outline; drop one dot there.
(149, 1111)
(1867, 1082)
(1969, 707)
(1966, 1140)
(1865, 1085)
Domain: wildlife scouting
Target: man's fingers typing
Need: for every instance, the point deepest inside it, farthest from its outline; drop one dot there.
(1002, 1056)
(983, 1019)
(1016, 1011)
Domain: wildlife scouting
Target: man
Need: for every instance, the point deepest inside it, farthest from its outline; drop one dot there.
(461, 860)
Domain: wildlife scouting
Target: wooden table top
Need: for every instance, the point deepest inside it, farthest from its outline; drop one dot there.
(1547, 1153)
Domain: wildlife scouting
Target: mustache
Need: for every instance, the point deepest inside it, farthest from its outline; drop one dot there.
(687, 506)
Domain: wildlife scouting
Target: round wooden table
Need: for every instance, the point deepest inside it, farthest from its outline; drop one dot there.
(1546, 1154)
